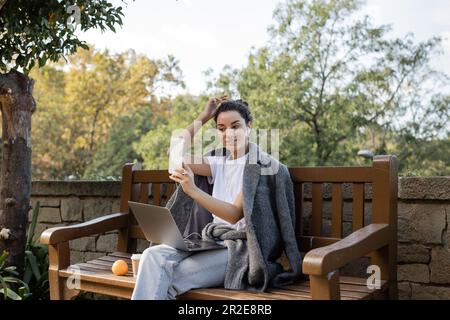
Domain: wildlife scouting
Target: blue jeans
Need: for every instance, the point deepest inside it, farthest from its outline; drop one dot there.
(165, 272)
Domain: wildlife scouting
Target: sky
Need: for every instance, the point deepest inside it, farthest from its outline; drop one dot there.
(205, 34)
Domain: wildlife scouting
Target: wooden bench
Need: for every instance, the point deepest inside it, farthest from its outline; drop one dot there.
(323, 255)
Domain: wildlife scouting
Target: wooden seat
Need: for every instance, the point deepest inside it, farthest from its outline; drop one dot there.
(326, 252)
(96, 275)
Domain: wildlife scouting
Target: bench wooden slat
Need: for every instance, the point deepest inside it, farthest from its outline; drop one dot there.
(156, 194)
(298, 193)
(151, 176)
(143, 193)
(113, 259)
(336, 210)
(224, 294)
(356, 281)
(351, 287)
(101, 263)
(170, 190)
(125, 255)
(100, 277)
(217, 294)
(331, 174)
(356, 288)
(99, 268)
(345, 292)
(298, 291)
(306, 292)
(358, 206)
(316, 221)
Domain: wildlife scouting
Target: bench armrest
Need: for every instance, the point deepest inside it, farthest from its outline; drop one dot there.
(107, 223)
(324, 260)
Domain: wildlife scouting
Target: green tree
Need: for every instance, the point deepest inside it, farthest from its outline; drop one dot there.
(32, 33)
(118, 148)
(327, 74)
(106, 100)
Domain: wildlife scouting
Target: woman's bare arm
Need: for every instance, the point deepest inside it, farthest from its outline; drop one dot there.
(198, 165)
(203, 117)
(231, 213)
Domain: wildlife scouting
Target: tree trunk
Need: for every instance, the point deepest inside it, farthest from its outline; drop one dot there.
(17, 105)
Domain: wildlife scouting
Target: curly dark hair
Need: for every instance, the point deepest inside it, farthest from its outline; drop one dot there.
(238, 105)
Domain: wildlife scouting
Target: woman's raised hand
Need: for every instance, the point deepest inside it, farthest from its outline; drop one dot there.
(212, 105)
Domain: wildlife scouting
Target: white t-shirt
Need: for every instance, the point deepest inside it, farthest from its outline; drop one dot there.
(227, 175)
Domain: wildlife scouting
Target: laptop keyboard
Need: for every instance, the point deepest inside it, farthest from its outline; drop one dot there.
(195, 243)
(191, 244)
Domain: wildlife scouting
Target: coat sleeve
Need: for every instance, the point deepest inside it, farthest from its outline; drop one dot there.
(285, 203)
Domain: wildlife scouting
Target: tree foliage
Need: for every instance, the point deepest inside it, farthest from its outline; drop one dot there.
(328, 77)
(93, 109)
(34, 32)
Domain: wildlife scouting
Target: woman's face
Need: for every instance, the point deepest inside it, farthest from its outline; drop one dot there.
(232, 130)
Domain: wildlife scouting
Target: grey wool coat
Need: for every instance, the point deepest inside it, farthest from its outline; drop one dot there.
(269, 215)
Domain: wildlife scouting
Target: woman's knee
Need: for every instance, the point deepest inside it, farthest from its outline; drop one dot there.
(158, 253)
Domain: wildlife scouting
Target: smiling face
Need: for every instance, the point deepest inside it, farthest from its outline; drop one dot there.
(233, 131)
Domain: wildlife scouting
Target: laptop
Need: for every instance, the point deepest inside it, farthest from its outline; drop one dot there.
(158, 226)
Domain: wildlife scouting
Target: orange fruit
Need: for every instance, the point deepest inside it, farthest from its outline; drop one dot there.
(119, 268)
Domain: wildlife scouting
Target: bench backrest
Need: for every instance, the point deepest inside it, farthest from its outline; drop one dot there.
(315, 227)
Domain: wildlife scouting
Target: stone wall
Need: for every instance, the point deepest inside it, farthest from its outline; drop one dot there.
(423, 234)
(65, 203)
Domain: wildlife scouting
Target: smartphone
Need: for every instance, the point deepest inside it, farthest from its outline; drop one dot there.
(176, 154)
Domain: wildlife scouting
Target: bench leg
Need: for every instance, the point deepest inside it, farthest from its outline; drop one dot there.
(386, 259)
(325, 287)
(59, 258)
(58, 287)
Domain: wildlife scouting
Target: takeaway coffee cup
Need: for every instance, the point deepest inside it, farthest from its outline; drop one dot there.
(135, 258)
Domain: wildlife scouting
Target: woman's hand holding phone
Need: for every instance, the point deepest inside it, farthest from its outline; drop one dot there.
(185, 177)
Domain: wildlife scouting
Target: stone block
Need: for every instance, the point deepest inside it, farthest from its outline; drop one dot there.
(424, 188)
(440, 265)
(421, 222)
(413, 272)
(115, 206)
(45, 201)
(107, 242)
(83, 244)
(71, 209)
(423, 292)
(96, 207)
(413, 253)
(47, 214)
(76, 256)
(404, 291)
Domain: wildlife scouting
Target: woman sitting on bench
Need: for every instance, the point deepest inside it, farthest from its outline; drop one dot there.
(166, 272)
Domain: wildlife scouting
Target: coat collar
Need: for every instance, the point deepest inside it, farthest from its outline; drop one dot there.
(256, 160)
